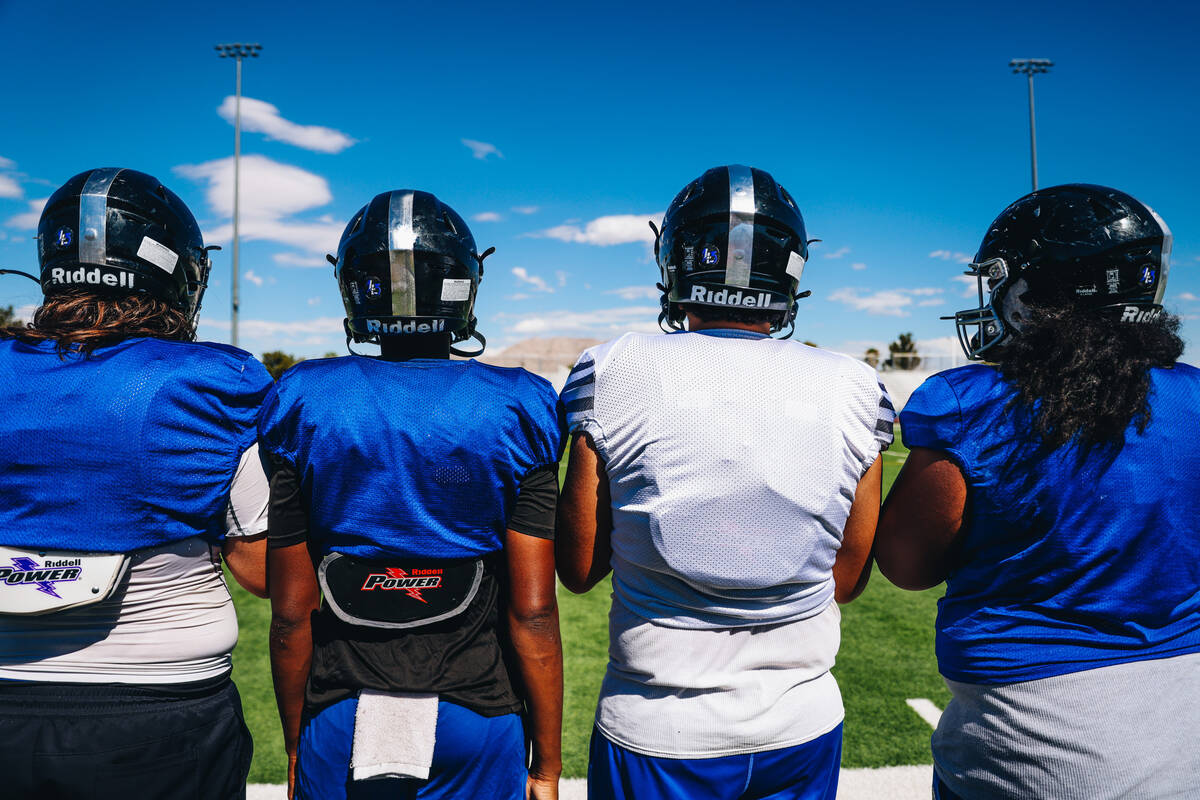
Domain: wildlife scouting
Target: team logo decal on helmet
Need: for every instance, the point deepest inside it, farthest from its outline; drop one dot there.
(1091, 247)
(416, 260)
(732, 237)
(119, 231)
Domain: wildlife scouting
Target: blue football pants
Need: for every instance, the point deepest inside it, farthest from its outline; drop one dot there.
(806, 771)
(473, 757)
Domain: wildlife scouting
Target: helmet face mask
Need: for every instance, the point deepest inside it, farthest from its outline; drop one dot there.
(118, 231)
(407, 264)
(732, 238)
(1081, 246)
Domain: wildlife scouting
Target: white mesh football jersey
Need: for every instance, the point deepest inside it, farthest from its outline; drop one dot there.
(732, 464)
(732, 461)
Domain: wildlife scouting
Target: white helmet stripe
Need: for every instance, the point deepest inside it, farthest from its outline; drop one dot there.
(93, 216)
(401, 239)
(740, 253)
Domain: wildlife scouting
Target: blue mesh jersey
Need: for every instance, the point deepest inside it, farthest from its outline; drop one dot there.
(417, 458)
(1065, 565)
(133, 446)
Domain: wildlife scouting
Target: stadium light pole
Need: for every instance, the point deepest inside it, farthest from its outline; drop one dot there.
(1030, 67)
(237, 51)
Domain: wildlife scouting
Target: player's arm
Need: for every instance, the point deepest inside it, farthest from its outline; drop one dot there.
(533, 631)
(852, 565)
(583, 547)
(295, 596)
(921, 520)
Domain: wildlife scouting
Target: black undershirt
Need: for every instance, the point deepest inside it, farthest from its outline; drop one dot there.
(462, 659)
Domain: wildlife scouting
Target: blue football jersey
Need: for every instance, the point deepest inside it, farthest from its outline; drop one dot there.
(418, 458)
(132, 446)
(1067, 563)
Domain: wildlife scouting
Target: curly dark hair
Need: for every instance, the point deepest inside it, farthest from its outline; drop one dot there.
(1084, 377)
(82, 321)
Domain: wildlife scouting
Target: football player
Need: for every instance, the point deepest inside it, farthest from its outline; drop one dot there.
(1054, 490)
(417, 495)
(128, 466)
(731, 482)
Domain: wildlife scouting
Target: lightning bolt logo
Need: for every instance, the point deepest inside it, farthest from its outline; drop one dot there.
(396, 572)
(28, 565)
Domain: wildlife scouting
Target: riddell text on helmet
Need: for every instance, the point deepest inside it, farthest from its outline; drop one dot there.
(724, 297)
(1135, 314)
(123, 280)
(379, 326)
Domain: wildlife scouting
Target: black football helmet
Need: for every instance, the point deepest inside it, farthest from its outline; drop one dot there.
(732, 238)
(119, 231)
(407, 264)
(1091, 247)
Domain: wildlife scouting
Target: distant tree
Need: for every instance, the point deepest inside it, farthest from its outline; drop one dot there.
(331, 354)
(8, 317)
(278, 362)
(811, 344)
(871, 357)
(903, 353)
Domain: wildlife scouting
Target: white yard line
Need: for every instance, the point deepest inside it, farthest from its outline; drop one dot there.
(926, 710)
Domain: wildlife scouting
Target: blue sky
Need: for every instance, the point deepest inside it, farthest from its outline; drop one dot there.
(558, 129)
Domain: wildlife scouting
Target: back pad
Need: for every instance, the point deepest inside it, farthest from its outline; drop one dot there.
(398, 593)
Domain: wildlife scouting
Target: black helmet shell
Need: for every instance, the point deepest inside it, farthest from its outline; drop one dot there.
(733, 238)
(407, 264)
(1090, 247)
(120, 231)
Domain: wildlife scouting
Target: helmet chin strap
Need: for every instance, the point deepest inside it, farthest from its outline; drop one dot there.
(474, 334)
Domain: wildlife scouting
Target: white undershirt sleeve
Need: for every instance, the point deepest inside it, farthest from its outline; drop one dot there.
(249, 497)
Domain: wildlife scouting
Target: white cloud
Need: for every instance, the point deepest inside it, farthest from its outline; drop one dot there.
(1187, 296)
(482, 150)
(7, 163)
(259, 116)
(9, 188)
(271, 193)
(252, 277)
(885, 302)
(946, 255)
(635, 292)
(28, 220)
(535, 281)
(970, 285)
(858, 265)
(935, 301)
(486, 216)
(524, 209)
(839, 253)
(605, 231)
(518, 296)
(560, 276)
(302, 336)
(297, 260)
(312, 301)
(601, 323)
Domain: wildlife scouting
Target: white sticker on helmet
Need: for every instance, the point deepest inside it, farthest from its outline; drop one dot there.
(158, 254)
(795, 266)
(456, 289)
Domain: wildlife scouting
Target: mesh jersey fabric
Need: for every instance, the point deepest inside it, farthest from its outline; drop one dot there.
(732, 465)
(132, 446)
(1065, 562)
(417, 458)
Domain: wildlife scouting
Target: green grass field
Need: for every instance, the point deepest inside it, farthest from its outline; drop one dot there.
(885, 658)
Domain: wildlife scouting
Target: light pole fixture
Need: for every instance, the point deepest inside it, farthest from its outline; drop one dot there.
(1030, 67)
(237, 51)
